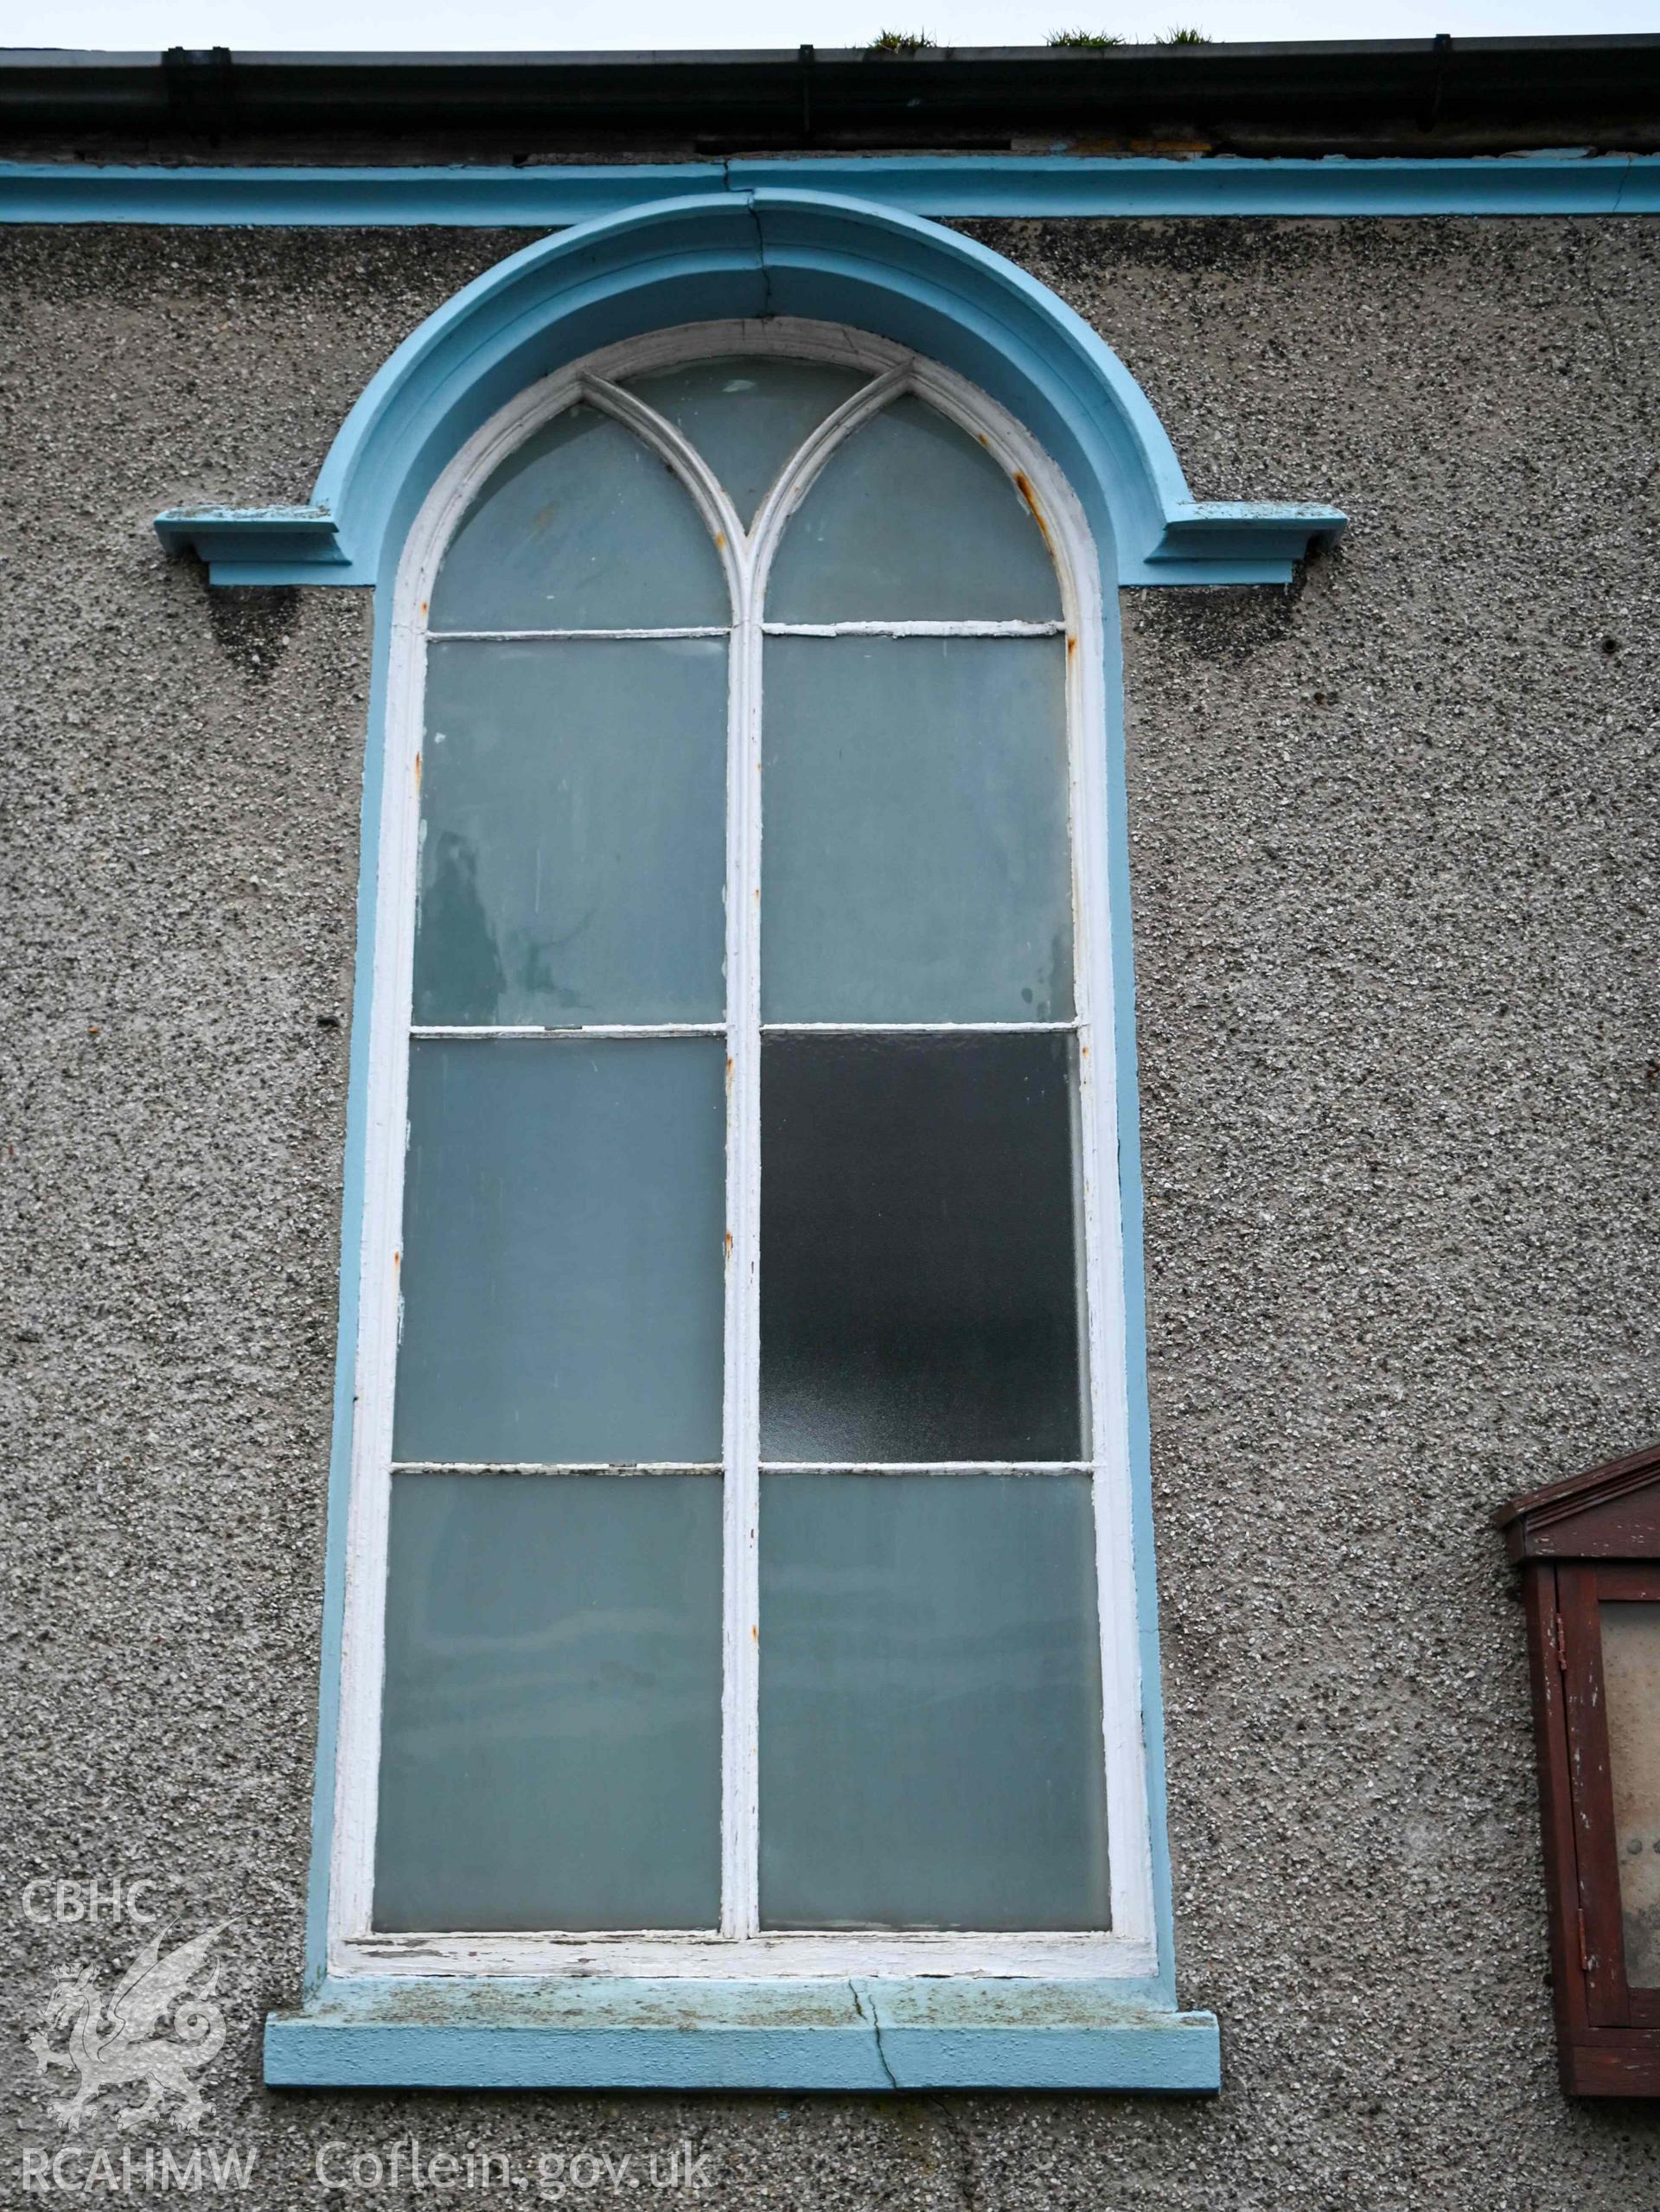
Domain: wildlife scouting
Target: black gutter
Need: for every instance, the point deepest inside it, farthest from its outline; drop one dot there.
(1474, 94)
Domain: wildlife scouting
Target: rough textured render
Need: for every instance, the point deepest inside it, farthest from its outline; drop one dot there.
(1395, 873)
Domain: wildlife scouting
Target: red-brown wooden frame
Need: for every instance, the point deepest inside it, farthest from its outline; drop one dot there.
(1581, 1543)
(1582, 1591)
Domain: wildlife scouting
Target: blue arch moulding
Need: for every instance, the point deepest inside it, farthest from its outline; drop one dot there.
(697, 259)
(712, 255)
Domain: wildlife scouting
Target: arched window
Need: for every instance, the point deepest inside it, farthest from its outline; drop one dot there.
(741, 1565)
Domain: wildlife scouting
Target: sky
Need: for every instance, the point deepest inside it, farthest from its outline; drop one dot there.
(481, 26)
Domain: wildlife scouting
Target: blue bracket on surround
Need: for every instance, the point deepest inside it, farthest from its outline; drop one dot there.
(234, 537)
(763, 252)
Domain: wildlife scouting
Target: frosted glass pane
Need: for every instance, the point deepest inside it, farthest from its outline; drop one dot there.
(747, 416)
(582, 528)
(1630, 1675)
(914, 799)
(919, 1257)
(912, 521)
(931, 1703)
(573, 818)
(564, 1220)
(550, 1734)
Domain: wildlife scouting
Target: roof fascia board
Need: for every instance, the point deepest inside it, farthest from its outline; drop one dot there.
(943, 186)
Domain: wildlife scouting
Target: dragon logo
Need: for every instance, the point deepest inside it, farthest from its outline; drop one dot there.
(111, 2043)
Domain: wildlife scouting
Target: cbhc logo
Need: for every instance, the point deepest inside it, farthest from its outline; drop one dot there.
(64, 1899)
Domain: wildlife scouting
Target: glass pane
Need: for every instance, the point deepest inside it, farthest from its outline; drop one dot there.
(551, 1741)
(573, 822)
(564, 1220)
(747, 416)
(582, 528)
(931, 1703)
(915, 820)
(919, 1256)
(912, 521)
(1631, 1678)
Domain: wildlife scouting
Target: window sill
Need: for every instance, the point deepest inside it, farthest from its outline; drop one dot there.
(864, 2037)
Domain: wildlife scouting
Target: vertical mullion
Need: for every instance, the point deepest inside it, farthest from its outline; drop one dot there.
(740, 1702)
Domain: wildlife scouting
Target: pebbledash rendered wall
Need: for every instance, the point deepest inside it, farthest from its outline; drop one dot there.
(1394, 838)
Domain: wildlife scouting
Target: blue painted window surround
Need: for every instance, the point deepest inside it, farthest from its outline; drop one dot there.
(987, 390)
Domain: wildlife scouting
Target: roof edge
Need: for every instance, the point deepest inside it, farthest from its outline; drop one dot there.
(1443, 92)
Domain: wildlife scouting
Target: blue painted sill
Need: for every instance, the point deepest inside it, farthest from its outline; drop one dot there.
(867, 2036)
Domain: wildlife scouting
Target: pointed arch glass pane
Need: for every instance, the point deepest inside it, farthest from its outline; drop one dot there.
(582, 528)
(747, 416)
(912, 521)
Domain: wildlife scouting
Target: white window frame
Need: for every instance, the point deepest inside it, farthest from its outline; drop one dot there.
(741, 1951)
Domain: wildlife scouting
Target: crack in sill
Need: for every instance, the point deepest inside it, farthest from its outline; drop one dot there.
(876, 2030)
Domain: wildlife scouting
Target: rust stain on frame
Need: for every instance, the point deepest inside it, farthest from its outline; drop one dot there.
(1022, 485)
